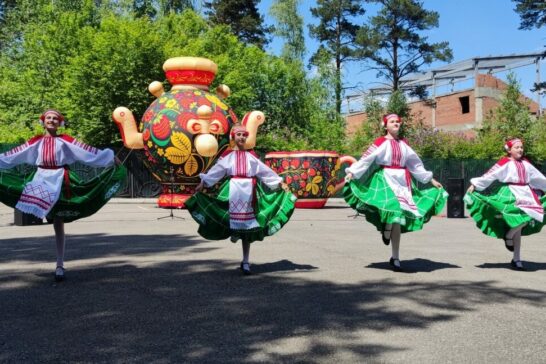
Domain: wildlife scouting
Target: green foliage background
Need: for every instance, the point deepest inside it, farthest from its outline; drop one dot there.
(87, 60)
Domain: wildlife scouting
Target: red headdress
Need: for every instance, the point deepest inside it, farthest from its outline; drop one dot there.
(510, 143)
(52, 111)
(238, 128)
(387, 117)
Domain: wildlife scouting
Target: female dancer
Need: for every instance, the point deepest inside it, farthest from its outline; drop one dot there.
(243, 209)
(513, 209)
(53, 192)
(388, 198)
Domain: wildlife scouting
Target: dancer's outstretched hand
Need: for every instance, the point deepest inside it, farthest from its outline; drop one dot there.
(285, 187)
(348, 177)
(470, 189)
(436, 183)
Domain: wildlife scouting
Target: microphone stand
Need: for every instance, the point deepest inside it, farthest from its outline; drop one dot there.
(171, 215)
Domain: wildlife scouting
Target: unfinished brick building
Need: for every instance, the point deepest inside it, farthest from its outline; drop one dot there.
(465, 109)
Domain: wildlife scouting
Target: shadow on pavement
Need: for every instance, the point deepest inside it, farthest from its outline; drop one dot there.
(90, 246)
(415, 265)
(529, 266)
(205, 311)
(281, 266)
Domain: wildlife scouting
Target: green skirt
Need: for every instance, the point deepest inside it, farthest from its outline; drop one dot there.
(272, 210)
(497, 213)
(376, 200)
(79, 200)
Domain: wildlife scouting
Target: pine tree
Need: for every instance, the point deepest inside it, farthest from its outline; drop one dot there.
(337, 34)
(290, 27)
(531, 12)
(242, 17)
(393, 43)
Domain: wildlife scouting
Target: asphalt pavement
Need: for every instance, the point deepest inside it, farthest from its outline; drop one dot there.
(149, 290)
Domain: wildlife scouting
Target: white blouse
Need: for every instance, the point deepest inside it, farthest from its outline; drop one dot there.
(243, 167)
(50, 155)
(522, 177)
(51, 152)
(241, 163)
(399, 160)
(512, 172)
(391, 153)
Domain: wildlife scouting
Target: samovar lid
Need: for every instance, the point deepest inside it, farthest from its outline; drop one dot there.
(191, 71)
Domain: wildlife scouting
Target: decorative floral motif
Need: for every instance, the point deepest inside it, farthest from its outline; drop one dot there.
(310, 175)
(146, 135)
(314, 185)
(180, 150)
(215, 100)
(169, 148)
(171, 103)
(161, 128)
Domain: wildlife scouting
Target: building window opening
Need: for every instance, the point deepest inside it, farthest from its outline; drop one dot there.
(465, 104)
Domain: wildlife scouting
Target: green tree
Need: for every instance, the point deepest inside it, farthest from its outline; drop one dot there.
(392, 41)
(152, 8)
(370, 129)
(289, 25)
(537, 149)
(176, 6)
(511, 118)
(398, 105)
(32, 64)
(325, 128)
(337, 34)
(120, 58)
(242, 17)
(87, 64)
(144, 8)
(531, 12)
(6, 6)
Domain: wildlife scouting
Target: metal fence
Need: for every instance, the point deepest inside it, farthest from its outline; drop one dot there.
(444, 169)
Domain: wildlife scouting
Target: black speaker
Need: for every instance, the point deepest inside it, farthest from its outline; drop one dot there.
(22, 219)
(455, 203)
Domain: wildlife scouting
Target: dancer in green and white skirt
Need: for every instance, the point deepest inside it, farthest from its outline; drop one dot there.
(54, 192)
(514, 208)
(388, 198)
(243, 209)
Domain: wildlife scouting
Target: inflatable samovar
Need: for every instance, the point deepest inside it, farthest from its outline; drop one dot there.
(185, 129)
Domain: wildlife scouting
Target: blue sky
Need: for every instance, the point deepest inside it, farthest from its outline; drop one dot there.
(472, 28)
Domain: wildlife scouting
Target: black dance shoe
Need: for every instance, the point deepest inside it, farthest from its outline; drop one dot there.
(395, 267)
(245, 268)
(59, 274)
(509, 247)
(517, 265)
(385, 240)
